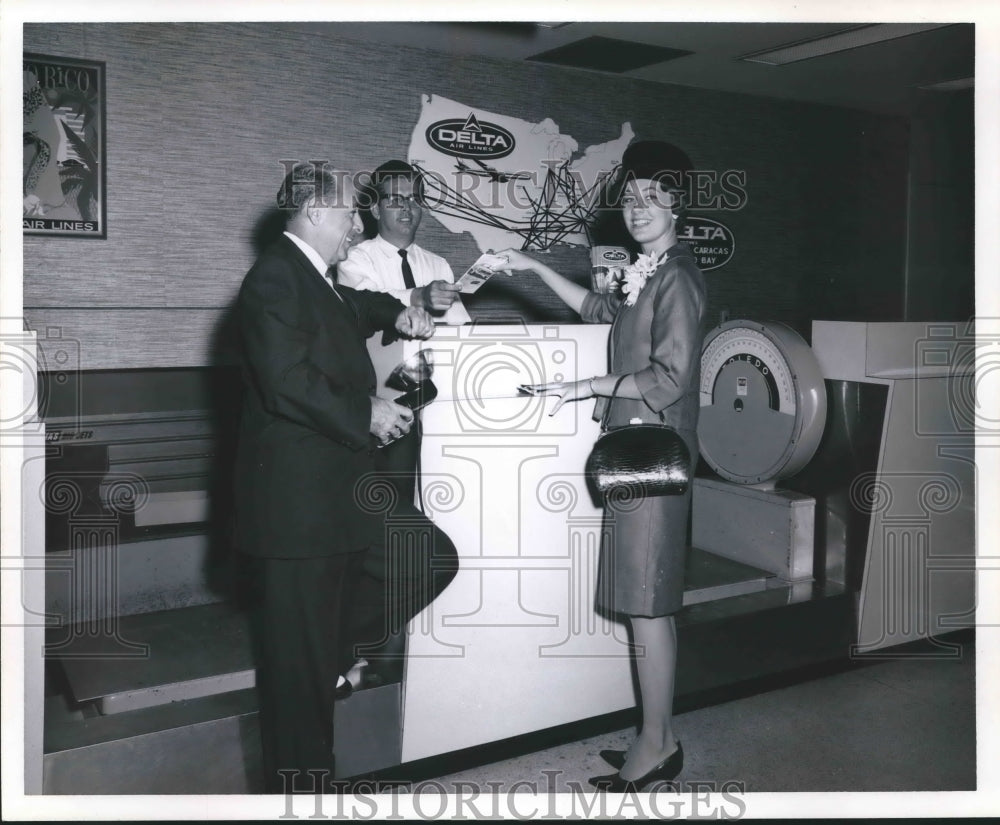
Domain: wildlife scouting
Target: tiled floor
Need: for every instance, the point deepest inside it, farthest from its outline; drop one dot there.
(897, 725)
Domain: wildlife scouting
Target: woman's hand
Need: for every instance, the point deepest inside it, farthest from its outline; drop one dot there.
(517, 260)
(566, 391)
(570, 293)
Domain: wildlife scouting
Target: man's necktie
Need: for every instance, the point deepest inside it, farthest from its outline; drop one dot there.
(407, 272)
(331, 279)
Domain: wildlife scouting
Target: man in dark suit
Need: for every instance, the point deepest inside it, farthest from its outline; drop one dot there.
(310, 425)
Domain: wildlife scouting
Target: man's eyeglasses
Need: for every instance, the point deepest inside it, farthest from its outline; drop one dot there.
(398, 201)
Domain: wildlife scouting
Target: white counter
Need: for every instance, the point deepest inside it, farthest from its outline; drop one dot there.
(513, 645)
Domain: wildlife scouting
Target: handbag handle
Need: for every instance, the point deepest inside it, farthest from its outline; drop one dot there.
(607, 409)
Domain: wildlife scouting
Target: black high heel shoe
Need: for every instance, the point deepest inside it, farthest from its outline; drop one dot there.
(614, 758)
(664, 772)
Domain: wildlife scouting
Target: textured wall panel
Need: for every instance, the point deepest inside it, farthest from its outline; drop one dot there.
(124, 338)
(200, 115)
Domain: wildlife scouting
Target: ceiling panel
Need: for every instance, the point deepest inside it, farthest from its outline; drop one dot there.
(882, 77)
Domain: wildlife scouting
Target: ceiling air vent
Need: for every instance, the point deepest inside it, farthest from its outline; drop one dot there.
(606, 54)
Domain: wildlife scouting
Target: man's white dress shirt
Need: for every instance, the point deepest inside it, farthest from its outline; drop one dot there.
(376, 265)
(314, 257)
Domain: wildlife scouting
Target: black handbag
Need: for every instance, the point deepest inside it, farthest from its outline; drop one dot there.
(645, 459)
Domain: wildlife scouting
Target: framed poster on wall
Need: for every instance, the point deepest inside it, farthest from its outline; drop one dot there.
(63, 172)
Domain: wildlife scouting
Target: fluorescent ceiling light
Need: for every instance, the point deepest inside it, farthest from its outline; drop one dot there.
(950, 85)
(851, 38)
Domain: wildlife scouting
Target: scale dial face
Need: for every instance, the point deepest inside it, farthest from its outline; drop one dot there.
(763, 402)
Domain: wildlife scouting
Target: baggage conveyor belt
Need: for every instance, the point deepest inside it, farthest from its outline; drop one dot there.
(169, 705)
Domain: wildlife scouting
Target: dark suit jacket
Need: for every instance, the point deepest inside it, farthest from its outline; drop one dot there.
(304, 439)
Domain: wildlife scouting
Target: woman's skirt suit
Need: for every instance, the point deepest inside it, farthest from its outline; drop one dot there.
(658, 340)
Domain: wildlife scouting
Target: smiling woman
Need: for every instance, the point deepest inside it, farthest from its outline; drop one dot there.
(646, 209)
(657, 318)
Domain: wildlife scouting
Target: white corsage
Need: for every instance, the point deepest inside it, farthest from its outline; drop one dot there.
(634, 276)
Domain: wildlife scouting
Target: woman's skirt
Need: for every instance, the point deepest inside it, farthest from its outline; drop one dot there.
(643, 550)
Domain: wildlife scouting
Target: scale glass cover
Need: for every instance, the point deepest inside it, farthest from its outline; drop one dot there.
(763, 402)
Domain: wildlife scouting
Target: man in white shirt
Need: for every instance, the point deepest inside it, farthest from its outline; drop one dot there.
(391, 262)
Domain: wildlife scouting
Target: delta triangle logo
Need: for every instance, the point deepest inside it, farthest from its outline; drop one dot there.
(470, 138)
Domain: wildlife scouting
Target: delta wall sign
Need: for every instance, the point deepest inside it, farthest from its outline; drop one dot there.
(470, 138)
(711, 242)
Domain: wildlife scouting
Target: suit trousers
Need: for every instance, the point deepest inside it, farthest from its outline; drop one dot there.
(400, 576)
(300, 615)
(313, 617)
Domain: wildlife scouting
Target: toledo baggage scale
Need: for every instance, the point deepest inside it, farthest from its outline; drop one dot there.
(763, 412)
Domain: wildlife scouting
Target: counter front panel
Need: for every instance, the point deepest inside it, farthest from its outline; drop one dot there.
(514, 644)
